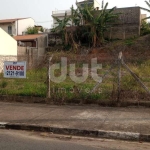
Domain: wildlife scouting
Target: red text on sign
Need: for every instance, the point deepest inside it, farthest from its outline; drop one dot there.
(11, 67)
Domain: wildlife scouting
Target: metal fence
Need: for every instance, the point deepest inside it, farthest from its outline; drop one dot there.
(120, 81)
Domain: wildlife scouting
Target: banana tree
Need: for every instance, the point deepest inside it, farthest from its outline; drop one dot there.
(98, 22)
(62, 26)
(148, 10)
(75, 17)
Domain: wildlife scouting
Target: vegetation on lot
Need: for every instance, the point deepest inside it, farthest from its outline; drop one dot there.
(87, 26)
(148, 10)
(32, 30)
(70, 92)
(145, 26)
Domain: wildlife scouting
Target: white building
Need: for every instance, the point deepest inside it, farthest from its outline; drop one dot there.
(61, 13)
(8, 45)
(16, 26)
(8, 48)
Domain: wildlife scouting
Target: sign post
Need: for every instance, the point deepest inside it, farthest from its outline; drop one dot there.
(14, 69)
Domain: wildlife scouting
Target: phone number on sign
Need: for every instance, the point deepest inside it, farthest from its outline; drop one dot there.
(15, 73)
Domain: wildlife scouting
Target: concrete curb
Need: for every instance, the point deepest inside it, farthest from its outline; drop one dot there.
(129, 136)
(3, 125)
(42, 100)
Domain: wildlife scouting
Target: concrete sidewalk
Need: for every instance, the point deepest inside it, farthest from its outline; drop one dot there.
(135, 120)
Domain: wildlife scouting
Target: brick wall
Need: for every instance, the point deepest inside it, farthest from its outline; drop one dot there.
(33, 56)
(127, 25)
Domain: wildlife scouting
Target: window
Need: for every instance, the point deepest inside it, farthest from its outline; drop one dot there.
(10, 30)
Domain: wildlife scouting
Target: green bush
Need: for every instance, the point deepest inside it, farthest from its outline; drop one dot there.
(3, 84)
(145, 28)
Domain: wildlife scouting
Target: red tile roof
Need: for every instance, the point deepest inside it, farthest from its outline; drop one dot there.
(27, 37)
(10, 20)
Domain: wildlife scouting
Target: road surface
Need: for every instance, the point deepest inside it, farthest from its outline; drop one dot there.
(23, 140)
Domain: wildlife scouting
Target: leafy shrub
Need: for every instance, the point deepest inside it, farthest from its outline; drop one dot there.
(3, 84)
(145, 28)
(32, 30)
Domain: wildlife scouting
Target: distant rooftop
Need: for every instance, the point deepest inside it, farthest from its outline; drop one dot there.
(11, 20)
(27, 37)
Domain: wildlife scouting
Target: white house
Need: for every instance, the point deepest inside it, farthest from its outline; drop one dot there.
(8, 45)
(16, 26)
(61, 13)
(8, 48)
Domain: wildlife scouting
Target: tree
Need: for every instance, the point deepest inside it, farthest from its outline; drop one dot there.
(145, 28)
(61, 27)
(93, 23)
(148, 10)
(32, 30)
(98, 22)
(42, 29)
(75, 17)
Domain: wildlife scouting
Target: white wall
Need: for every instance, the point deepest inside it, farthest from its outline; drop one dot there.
(8, 45)
(60, 15)
(96, 4)
(23, 24)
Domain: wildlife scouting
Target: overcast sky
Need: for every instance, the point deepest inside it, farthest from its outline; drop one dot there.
(41, 10)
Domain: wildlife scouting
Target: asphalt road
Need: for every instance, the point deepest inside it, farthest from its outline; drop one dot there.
(23, 140)
(13, 140)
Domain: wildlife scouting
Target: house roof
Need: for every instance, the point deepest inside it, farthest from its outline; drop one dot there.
(10, 20)
(27, 37)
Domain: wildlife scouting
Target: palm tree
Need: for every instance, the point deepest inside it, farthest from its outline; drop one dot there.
(148, 10)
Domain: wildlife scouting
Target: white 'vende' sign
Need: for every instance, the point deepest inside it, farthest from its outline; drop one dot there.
(14, 69)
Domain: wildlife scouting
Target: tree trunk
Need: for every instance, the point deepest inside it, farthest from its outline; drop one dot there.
(66, 38)
(94, 36)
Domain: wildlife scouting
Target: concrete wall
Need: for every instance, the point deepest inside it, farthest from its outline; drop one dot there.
(43, 41)
(128, 24)
(8, 45)
(34, 57)
(42, 45)
(129, 15)
(5, 27)
(30, 55)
